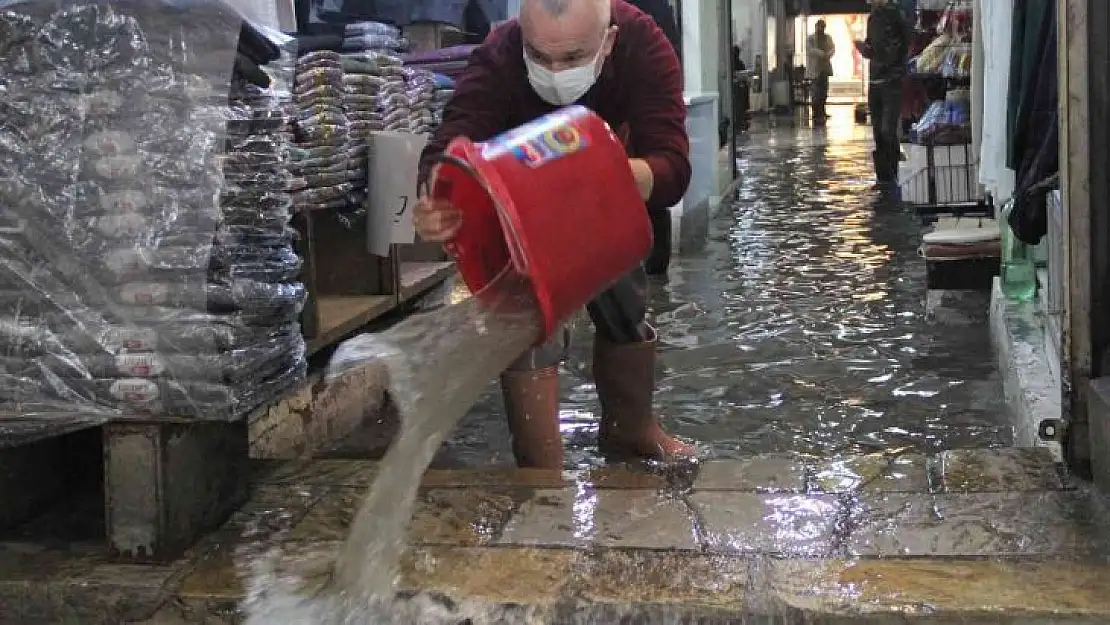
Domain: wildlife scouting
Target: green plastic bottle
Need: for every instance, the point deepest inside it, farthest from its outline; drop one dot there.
(1019, 269)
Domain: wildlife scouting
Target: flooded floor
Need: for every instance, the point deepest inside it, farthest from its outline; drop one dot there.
(804, 324)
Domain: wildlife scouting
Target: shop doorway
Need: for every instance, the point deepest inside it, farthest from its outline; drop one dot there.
(848, 84)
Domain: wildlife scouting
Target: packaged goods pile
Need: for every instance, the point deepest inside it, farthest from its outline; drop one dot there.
(374, 89)
(321, 128)
(450, 61)
(445, 90)
(420, 91)
(145, 254)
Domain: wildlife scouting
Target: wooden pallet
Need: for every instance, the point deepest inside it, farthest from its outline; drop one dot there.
(166, 481)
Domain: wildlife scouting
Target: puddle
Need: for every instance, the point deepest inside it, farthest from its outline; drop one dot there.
(803, 326)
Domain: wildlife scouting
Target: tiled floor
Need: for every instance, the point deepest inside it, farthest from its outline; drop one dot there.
(965, 535)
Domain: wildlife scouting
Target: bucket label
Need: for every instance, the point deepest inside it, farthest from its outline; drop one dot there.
(540, 142)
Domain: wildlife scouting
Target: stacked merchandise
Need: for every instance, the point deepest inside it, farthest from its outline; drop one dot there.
(420, 91)
(445, 90)
(945, 122)
(321, 128)
(449, 61)
(145, 256)
(374, 90)
(372, 36)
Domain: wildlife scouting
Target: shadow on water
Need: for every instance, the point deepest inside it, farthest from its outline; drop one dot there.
(804, 325)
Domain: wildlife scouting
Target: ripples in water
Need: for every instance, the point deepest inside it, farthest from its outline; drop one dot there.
(803, 325)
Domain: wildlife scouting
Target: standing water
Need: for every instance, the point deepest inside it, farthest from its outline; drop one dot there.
(438, 364)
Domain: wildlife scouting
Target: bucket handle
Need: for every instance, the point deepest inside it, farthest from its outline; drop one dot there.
(516, 248)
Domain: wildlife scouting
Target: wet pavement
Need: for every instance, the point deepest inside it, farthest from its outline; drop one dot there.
(804, 325)
(971, 536)
(857, 472)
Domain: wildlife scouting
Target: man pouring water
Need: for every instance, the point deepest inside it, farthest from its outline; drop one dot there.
(613, 59)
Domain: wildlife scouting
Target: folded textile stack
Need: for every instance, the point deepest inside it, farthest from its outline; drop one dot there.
(363, 36)
(375, 91)
(420, 88)
(146, 263)
(449, 61)
(445, 90)
(321, 128)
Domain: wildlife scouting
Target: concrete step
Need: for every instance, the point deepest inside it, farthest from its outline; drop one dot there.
(967, 536)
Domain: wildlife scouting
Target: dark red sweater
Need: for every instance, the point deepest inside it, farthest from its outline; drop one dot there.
(639, 92)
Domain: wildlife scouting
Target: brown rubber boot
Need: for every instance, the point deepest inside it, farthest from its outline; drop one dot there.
(625, 378)
(532, 407)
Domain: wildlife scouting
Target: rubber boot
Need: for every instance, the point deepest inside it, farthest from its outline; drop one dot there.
(882, 172)
(625, 378)
(532, 407)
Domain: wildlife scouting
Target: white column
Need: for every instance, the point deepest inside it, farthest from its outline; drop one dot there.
(701, 54)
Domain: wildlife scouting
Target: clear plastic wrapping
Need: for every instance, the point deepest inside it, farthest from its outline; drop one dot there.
(323, 134)
(370, 70)
(146, 260)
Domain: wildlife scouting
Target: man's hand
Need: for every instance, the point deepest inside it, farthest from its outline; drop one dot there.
(436, 220)
(645, 180)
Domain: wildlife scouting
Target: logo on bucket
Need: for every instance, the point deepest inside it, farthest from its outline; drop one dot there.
(540, 142)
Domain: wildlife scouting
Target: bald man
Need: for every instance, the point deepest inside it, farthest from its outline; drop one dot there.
(612, 58)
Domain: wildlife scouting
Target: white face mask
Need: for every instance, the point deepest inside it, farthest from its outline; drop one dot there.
(563, 87)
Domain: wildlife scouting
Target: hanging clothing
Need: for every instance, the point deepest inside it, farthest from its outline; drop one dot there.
(1034, 24)
(1036, 134)
(994, 27)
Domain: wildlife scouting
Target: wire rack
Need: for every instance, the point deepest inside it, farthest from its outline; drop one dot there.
(948, 184)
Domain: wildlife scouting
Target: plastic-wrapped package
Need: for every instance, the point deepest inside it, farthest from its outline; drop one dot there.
(370, 41)
(322, 129)
(371, 77)
(146, 259)
(945, 122)
(372, 28)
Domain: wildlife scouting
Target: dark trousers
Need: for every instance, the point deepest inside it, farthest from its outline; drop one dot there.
(741, 105)
(820, 93)
(618, 315)
(884, 101)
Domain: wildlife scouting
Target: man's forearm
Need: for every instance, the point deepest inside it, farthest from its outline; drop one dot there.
(645, 180)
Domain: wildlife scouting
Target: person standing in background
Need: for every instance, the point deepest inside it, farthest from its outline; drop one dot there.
(887, 47)
(820, 50)
(741, 91)
(659, 261)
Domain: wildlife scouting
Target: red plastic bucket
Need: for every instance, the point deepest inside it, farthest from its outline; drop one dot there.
(554, 197)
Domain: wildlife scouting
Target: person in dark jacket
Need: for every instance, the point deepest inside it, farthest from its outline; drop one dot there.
(563, 52)
(887, 47)
(741, 91)
(659, 260)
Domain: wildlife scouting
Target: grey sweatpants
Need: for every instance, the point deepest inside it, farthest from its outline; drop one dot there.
(618, 315)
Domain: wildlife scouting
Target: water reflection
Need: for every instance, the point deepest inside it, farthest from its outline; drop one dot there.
(804, 325)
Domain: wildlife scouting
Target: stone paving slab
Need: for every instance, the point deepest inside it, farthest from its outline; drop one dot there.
(658, 587)
(883, 538)
(604, 518)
